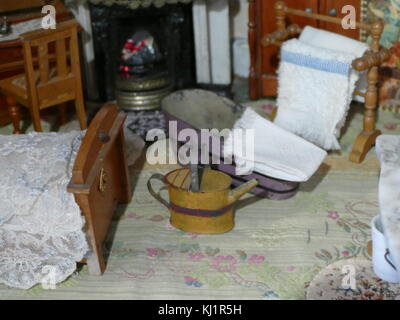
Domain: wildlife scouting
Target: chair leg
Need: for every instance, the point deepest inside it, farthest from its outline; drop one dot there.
(15, 114)
(63, 119)
(35, 114)
(80, 112)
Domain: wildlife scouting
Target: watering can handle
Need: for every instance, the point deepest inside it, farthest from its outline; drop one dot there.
(238, 192)
(156, 195)
(387, 259)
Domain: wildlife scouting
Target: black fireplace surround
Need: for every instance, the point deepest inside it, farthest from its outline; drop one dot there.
(171, 26)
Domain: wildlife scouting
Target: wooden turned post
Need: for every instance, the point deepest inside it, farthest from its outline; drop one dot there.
(371, 97)
(15, 114)
(366, 139)
(280, 13)
(276, 38)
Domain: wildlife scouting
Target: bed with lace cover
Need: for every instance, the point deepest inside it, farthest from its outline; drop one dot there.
(44, 228)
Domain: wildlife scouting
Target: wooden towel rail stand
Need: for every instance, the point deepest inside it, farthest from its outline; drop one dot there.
(370, 61)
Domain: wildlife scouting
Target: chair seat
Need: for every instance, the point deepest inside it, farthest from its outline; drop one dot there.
(16, 87)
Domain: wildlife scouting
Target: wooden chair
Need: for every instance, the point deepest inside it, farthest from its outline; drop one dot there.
(370, 61)
(49, 79)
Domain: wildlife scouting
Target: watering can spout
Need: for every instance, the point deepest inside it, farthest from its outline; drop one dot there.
(238, 192)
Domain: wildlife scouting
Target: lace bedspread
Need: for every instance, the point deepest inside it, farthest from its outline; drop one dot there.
(41, 227)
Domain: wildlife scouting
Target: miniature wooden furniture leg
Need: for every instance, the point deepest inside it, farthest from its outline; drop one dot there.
(62, 113)
(76, 70)
(366, 139)
(15, 114)
(35, 114)
(80, 111)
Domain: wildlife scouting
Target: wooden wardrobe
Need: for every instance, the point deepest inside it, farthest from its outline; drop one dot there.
(264, 61)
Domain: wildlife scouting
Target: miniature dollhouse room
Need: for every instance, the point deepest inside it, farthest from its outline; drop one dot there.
(199, 149)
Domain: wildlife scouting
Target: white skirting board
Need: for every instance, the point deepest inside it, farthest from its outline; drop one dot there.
(212, 41)
(81, 12)
(241, 57)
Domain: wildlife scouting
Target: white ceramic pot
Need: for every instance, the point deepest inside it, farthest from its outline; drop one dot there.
(241, 58)
(382, 263)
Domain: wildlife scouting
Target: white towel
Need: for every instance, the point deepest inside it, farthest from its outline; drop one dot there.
(315, 91)
(277, 152)
(333, 41)
(388, 152)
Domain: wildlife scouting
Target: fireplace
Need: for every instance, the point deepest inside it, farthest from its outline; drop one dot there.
(143, 76)
(160, 38)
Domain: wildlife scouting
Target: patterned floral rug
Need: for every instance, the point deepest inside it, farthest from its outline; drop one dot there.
(274, 252)
(334, 283)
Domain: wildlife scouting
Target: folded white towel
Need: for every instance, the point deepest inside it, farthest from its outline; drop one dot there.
(315, 91)
(333, 41)
(388, 152)
(277, 152)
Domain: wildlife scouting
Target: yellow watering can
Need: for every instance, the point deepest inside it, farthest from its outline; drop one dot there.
(208, 211)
